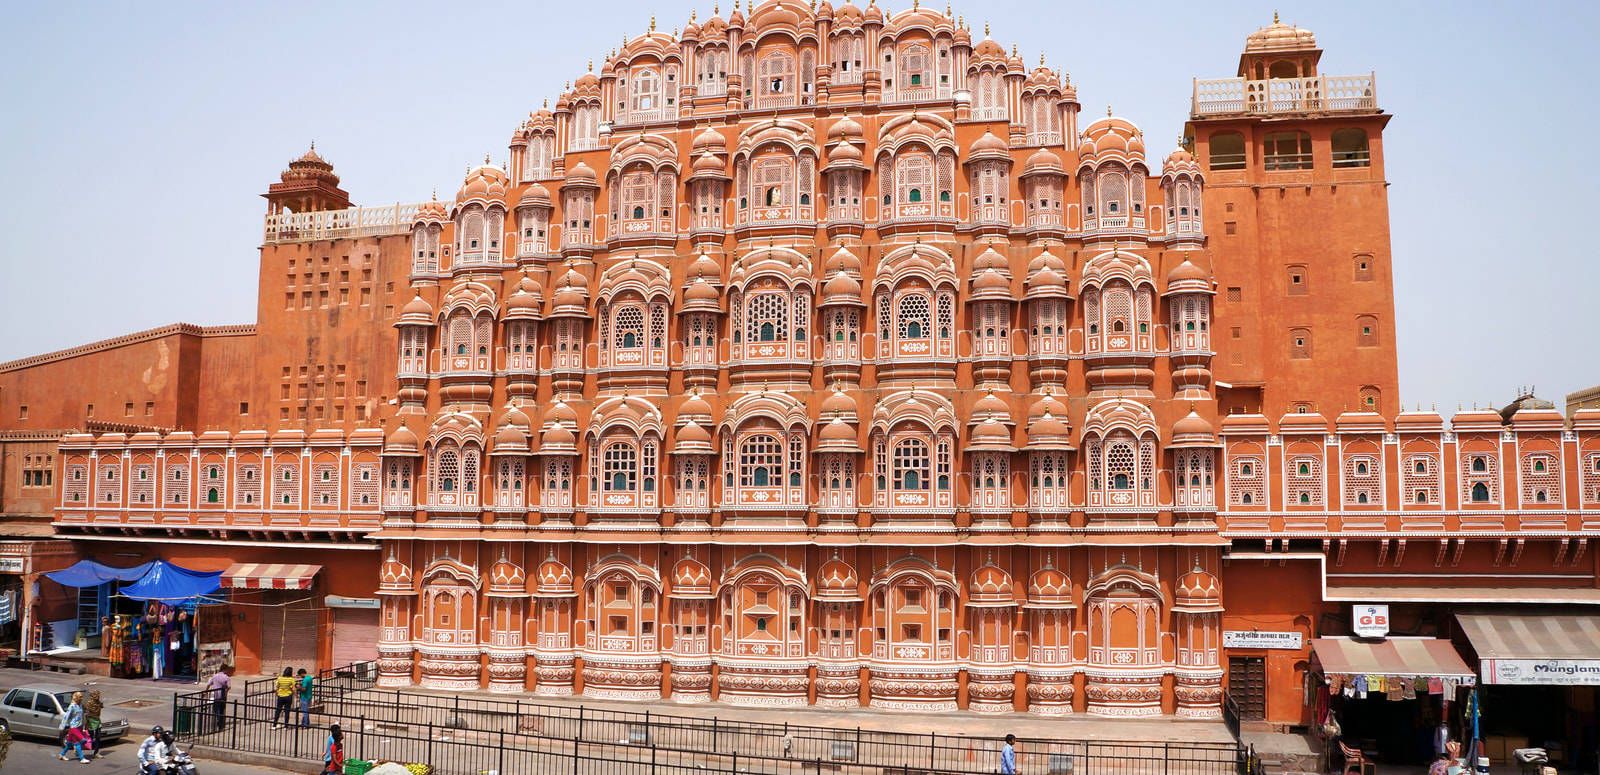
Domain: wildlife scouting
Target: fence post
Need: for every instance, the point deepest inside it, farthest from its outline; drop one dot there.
(361, 737)
(652, 757)
(575, 747)
(501, 767)
(650, 740)
(428, 750)
(714, 747)
(233, 741)
(577, 737)
(933, 745)
(819, 765)
(1166, 756)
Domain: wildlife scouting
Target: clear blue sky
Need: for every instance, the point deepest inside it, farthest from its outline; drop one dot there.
(140, 135)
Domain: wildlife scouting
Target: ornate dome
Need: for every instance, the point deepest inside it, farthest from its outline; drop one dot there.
(692, 439)
(310, 167)
(1043, 162)
(401, 441)
(1198, 590)
(1192, 430)
(990, 585)
(843, 260)
(691, 578)
(581, 174)
(555, 578)
(990, 146)
(836, 581)
(837, 434)
(1049, 588)
(840, 403)
(709, 141)
(417, 312)
(1186, 277)
(1279, 37)
(694, 407)
(1112, 135)
(842, 289)
(395, 575)
(534, 196)
(992, 405)
(844, 129)
(509, 440)
(507, 578)
(487, 183)
(991, 435)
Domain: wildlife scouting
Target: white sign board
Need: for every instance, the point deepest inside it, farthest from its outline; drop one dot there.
(1548, 672)
(1370, 621)
(13, 565)
(1255, 639)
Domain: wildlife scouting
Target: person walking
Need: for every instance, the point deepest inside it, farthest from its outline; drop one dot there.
(72, 726)
(1008, 756)
(333, 751)
(218, 686)
(92, 708)
(303, 686)
(284, 689)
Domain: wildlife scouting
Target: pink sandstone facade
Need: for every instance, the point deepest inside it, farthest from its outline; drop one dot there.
(826, 356)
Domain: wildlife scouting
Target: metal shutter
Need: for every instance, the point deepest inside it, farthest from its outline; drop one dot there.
(355, 635)
(288, 631)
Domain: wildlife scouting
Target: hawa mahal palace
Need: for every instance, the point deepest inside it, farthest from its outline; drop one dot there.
(822, 355)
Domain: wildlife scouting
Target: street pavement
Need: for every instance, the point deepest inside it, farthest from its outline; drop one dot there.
(145, 703)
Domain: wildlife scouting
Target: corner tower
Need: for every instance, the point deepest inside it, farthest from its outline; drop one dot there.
(1297, 207)
(309, 185)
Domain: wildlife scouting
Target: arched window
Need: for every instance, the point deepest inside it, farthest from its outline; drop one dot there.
(760, 461)
(1480, 492)
(1479, 466)
(448, 470)
(1227, 151)
(913, 316)
(911, 464)
(621, 461)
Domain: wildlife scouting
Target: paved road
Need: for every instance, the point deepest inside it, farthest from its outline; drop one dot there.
(145, 703)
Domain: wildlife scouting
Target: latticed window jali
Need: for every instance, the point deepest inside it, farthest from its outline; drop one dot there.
(108, 484)
(1247, 483)
(1589, 477)
(1419, 477)
(773, 191)
(700, 341)
(425, 240)
(838, 483)
(286, 485)
(413, 350)
(842, 335)
(694, 483)
(760, 467)
(142, 485)
(247, 486)
(568, 344)
(775, 85)
(991, 482)
(1480, 477)
(1048, 481)
(520, 346)
(913, 325)
(558, 483)
(579, 212)
(509, 482)
(1049, 332)
(75, 490)
(619, 477)
(397, 483)
(914, 181)
(911, 470)
(993, 329)
(364, 485)
(324, 485)
(1541, 479)
(1302, 481)
(1195, 489)
(177, 484)
(1044, 197)
(1363, 481)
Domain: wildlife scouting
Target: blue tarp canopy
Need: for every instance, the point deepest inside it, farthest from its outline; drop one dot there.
(165, 581)
(88, 573)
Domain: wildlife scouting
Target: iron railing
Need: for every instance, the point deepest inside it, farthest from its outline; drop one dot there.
(348, 692)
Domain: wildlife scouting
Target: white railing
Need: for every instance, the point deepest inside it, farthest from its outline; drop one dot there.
(1319, 94)
(339, 224)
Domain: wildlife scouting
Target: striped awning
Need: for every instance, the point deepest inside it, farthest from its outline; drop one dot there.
(267, 575)
(1430, 657)
(1532, 636)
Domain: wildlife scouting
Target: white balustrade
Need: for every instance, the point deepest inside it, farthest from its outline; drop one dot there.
(1322, 93)
(338, 224)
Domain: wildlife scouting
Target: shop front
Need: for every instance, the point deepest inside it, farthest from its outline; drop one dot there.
(1540, 683)
(1396, 698)
(150, 618)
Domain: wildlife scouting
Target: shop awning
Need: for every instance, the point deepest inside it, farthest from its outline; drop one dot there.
(165, 581)
(88, 573)
(1553, 649)
(268, 575)
(1431, 657)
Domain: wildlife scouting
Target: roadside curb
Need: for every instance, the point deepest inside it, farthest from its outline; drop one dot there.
(232, 756)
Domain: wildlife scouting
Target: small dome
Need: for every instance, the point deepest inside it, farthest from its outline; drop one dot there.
(1198, 589)
(535, 196)
(990, 280)
(691, 578)
(991, 435)
(694, 406)
(554, 578)
(1049, 587)
(709, 141)
(706, 164)
(1186, 271)
(990, 584)
(836, 580)
(1047, 427)
(845, 128)
(581, 173)
(1112, 135)
(395, 575)
(431, 212)
(844, 154)
(700, 295)
(507, 577)
(990, 145)
(786, 14)
(992, 405)
(837, 430)
(486, 183)
(843, 260)
(401, 441)
(1279, 37)
(841, 289)
(556, 438)
(1192, 430)
(988, 49)
(694, 434)
(840, 403)
(1043, 161)
(509, 440)
(417, 312)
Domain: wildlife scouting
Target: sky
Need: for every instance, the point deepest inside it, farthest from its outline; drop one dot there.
(139, 138)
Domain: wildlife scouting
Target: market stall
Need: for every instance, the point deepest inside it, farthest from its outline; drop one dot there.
(1393, 697)
(151, 626)
(1540, 676)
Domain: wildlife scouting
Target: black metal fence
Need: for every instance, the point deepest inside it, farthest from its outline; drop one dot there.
(451, 730)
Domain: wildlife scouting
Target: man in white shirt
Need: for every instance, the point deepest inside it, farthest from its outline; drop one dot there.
(152, 751)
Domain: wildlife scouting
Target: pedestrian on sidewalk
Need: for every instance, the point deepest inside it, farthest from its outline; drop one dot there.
(218, 686)
(304, 685)
(333, 754)
(92, 708)
(72, 727)
(1008, 756)
(284, 689)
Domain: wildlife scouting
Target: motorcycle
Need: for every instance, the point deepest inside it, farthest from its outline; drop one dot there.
(176, 763)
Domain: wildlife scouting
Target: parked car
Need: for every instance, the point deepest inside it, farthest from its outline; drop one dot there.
(36, 710)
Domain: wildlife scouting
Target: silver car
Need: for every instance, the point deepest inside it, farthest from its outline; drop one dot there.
(38, 710)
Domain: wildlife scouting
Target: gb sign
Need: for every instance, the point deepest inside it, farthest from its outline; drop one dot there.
(1370, 621)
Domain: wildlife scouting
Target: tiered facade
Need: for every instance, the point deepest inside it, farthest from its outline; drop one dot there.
(819, 356)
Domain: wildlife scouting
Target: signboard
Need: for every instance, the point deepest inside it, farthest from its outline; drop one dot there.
(335, 601)
(1255, 639)
(1370, 621)
(13, 565)
(1546, 672)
